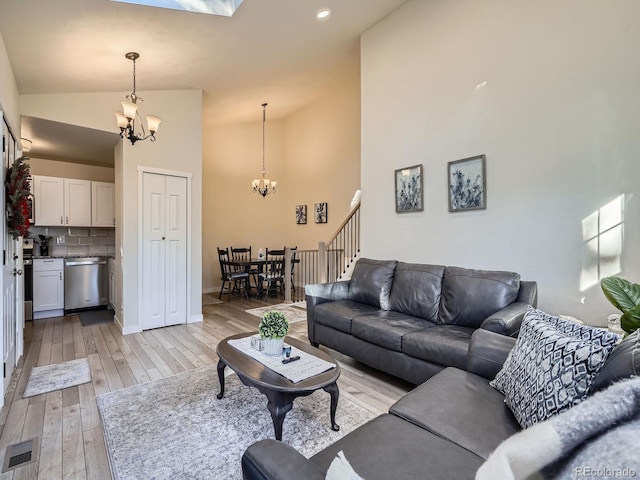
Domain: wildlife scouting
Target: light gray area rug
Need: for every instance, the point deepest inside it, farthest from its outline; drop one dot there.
(292, 314)
(210, 299)
(57, 376)
(175, 428)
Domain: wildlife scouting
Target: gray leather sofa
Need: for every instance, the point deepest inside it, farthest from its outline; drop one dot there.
(413, 320)
(445, 428)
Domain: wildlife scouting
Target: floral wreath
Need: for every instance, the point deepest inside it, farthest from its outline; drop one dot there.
(17, 192)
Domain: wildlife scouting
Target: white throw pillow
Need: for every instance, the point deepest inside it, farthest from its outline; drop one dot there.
(340, 469)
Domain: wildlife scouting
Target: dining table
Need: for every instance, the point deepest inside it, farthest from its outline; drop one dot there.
(248, 264)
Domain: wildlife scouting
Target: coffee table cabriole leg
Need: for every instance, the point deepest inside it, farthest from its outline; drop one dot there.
(334, 392)
(221, 367)
(279, 405)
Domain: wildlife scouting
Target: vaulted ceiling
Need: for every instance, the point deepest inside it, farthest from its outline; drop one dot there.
(274, 50)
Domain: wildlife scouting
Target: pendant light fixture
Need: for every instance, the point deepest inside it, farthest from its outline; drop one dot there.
(127, 118)
(263, 186)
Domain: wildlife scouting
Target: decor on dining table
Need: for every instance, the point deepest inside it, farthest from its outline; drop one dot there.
(467, 184)
(409, 190)
(320, 212)
(273, 328)
(301, 214)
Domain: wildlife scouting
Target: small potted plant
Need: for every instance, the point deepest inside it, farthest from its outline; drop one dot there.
(625, 296)
(273, 328)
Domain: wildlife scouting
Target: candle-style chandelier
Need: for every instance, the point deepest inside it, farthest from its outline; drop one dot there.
(263, 186)
(127, 118)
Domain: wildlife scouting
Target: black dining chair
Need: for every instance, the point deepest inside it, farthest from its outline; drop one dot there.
(294, 251)
(273, 273)
(230, 275)
(243, 254)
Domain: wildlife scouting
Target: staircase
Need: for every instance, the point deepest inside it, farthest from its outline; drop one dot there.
(332, 261)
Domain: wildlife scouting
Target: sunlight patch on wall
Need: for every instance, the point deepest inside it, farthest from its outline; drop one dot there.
(602, 234)
(224, 8)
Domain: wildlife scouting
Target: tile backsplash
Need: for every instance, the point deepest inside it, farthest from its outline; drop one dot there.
(77, 240)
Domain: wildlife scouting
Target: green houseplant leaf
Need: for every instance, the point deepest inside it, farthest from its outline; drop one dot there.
(622, 294)
(625, 296)
(273, 325)
(630, 321)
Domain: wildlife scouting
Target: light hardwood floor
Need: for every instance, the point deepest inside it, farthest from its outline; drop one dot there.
(67, 422)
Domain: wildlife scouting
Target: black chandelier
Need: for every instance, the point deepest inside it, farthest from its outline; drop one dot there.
(263, 186)
(127, 118)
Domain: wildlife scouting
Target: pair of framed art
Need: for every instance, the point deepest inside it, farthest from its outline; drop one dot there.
(466, 186)
(319, 213)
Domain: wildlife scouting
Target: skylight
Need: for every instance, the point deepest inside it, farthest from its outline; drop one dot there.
(224, 8)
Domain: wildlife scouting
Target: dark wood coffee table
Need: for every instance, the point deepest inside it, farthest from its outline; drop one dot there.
(280, 392)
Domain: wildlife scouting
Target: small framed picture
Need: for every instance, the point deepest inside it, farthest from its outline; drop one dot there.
(301, 214)
(320, 212)
(467, 184)
(409, 194)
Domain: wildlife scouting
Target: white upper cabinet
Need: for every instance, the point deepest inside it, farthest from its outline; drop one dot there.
(48, 194)
(103, 204)
(70, 202)
(77, 202)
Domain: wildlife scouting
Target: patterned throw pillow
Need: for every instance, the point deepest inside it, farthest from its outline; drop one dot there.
(552, 366)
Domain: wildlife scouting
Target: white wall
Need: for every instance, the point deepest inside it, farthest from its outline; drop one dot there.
(8, 90)
(558, 120)
(56, 168)
(178, 147)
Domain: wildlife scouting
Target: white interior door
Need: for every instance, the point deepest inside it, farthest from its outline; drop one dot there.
(164, 264)
(9, 271)
(176, 251)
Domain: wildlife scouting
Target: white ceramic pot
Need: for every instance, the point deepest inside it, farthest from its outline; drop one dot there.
(273, 346)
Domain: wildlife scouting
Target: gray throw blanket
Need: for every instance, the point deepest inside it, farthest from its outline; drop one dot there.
(597, 438)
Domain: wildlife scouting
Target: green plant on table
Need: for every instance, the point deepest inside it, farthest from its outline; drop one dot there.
(273, 325)
(625, 296)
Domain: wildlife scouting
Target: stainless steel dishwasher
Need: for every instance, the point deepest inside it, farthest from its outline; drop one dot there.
(86, 282)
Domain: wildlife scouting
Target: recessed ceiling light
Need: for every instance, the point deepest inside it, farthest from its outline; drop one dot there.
(323, 14)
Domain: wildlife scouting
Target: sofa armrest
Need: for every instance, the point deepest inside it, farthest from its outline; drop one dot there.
(321, 293)
(488, 352)
(273, 460)
(506, 321)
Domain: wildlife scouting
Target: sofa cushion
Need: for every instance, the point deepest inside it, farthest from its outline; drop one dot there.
(552, 366)
(470, 296)
(623, 362)
(386, 329)
(416, 453)
(371, 282)
(416, 290)
(339, 314)
(461, 407)
(441, 344)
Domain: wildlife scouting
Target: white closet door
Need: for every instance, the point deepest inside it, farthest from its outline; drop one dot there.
(176, 250)
(164, 265)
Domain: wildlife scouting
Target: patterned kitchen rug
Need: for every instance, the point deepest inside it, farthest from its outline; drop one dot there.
(49, 378)
(291, 313)
(177, 428)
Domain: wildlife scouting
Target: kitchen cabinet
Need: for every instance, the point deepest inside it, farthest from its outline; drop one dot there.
(113, 301)
(62, 201)
(77, 202)
(48, 194)
(48, 284)
(103, 204)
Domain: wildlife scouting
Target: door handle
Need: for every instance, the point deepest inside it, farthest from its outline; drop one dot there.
(15, 257)
(17, 272)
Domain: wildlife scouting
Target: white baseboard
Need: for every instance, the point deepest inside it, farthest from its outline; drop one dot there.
(211, 290)
(198, 318)
(127, 330)
(48, 314)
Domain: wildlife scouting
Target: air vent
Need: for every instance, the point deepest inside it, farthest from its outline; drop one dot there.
(20, 454)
